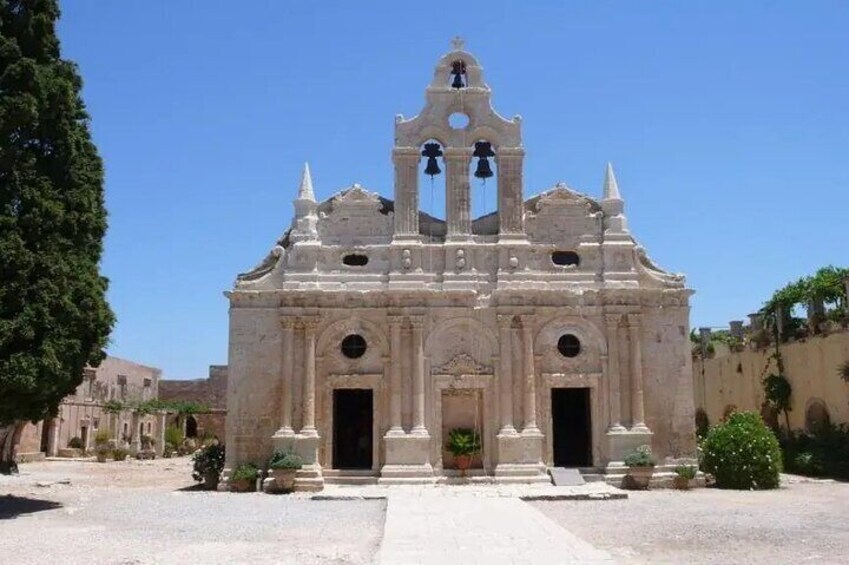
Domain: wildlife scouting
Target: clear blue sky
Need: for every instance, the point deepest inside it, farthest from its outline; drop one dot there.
(727, 124)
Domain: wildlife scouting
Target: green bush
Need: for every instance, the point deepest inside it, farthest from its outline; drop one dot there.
(75, 443)
(640, 457)
(822, 453)
(173, 435)
(285, 459)
(245, 472)
(208, 461)
(463, 441)
(102, 436)
(742, 453)
(120, 453)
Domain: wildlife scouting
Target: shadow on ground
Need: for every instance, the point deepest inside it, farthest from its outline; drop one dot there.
(194, 488)
(14, 506)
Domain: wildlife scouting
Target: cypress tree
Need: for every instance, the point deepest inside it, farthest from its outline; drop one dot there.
(54, 317)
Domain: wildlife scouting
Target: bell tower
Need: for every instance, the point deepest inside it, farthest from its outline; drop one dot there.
(457, 87)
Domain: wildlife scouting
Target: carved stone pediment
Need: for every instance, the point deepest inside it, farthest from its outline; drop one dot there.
(561, 196)
(358, 197)
(462, 364)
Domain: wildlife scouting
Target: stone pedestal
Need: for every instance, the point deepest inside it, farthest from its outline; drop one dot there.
(308, 477)
(407, 459)
(621, 443)
(520, 459)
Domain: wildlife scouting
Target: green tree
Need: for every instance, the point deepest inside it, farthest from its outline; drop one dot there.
(54, 318)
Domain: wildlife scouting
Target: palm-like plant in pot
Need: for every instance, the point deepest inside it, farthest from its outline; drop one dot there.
(284, 463)
(640, 465)
(463, 444)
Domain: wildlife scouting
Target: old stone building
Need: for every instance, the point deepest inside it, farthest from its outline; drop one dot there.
(371, 329)
(210, 393)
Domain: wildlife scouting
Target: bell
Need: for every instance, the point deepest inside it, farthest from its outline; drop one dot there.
(432, 151)
(483, 150)
(458, 69)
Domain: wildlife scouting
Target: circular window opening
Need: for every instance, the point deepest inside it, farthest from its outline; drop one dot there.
(458, 120)
(355, 260)
(353, 346)
(565, 258)
(568, 345)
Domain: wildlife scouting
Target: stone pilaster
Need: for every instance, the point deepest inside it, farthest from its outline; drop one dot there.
(637, 406)
(510, 199)
(395, 387)
(457, 197)
(614, 377)
(419, 428)
(505, 385)
(287, 374)
(530, 420)
(309, 429)
(406, 161)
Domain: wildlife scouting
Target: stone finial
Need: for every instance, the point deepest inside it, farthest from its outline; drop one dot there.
(305, 192)
(611, 189)
(755, 321)
(458, 43)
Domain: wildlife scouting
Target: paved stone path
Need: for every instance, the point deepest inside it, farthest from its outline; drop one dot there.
(473, 530)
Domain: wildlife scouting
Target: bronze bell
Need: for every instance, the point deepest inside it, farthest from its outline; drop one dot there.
(432, 151)
(483, 150)
(458, 69)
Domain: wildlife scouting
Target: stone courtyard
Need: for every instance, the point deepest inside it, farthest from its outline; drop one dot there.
(149, 512)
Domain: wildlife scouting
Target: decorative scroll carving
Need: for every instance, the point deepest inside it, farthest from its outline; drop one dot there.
(462, 364)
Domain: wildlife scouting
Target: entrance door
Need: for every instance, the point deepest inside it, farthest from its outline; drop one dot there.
(571, 426)
(353, 419)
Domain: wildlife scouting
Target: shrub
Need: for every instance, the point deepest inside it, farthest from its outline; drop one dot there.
(702, 423)
(285, 459)
(640, 457)
(208, 460)
(120, 453)
(245, 472)
(102, 436)
(742, 453)
(75, 443)
(463, 441)
(686, 472)
(173, 435)
(147, 442)
(822, 453)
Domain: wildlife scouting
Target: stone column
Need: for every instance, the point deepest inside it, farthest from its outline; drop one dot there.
(457, 198)
(309, 429)
(395, 386)
(419, 428)
(614, 377)
(287, 375)
(406, 160)
(637, 410)
(510, 199)
(530, 427)
(505, 376)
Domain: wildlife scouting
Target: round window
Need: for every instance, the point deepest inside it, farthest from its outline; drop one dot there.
(568, 345)
(353, 346)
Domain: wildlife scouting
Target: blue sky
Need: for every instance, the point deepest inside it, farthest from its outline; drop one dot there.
(727, 124)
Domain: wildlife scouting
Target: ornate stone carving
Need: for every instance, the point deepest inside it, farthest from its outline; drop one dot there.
(462, 364)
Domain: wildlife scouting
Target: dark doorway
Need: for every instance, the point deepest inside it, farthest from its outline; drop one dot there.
(191, 427)
(571, 426)
(46, 428)
(353, 420)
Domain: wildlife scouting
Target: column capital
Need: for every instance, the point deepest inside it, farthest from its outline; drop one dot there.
(309, 323)
(288, 322)
(509, 152)
(404, 153)
(395, 320)
(417, 322)
(634, 320)
(612, 319)
(505, 320)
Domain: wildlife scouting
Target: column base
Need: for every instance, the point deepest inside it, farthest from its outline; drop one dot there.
(520, 459)
(621, 443)
(407, 460)
(309, 477)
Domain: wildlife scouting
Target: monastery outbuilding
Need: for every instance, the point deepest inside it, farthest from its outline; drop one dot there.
(372, 329)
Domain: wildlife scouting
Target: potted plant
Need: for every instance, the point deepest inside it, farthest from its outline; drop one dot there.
(683, 475)
(120, 453)
(463, 444)
(640, 465)
(208, 464)
(284, 463)
(244, 477)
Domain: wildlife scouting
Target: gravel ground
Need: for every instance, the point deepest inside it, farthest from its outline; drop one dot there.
(804, 521)
(136, 512)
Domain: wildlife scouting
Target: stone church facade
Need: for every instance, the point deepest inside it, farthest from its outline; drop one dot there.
(372, 329)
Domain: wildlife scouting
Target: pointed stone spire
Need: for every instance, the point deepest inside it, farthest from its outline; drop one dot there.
(612, 205)
(611, 189)
(305, 192)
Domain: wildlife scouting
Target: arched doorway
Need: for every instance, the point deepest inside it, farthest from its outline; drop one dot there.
(191, 427)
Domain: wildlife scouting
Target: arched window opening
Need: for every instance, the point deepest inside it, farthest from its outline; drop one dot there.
(432, 190)
(458, 74)
(565, 258)
(816, 416)
(569, 345)
(354, 346)
(355, 260)
(191, 427)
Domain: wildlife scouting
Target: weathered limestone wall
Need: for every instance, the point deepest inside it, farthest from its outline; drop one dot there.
(734, 379)
(210, 392)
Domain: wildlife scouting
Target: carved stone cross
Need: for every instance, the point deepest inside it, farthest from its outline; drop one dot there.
(458, 43)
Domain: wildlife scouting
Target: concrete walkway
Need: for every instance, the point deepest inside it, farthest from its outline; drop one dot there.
(470, 530)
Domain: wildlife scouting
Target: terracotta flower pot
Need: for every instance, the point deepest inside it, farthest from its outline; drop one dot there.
(638, 478)
(284, 478)
(210, 480)
(242, 485)
(463, 463)
(681, 483)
